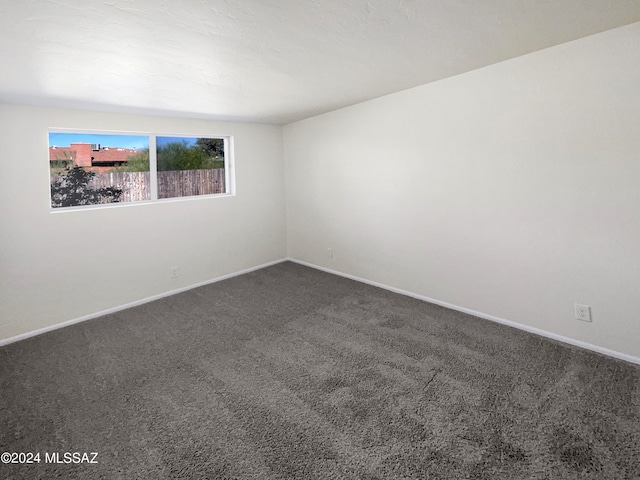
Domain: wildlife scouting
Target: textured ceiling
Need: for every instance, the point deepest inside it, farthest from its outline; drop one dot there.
(271, 61)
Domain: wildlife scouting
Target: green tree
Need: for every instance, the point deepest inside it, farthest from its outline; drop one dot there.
(137, 162)
(182, 156)
(212, 147)
(71, 189)
(179, 156)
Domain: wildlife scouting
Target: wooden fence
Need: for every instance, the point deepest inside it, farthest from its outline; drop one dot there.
(136, 186)
(184, 183)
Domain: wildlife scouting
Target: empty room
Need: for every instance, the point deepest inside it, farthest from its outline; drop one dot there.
(278, 239)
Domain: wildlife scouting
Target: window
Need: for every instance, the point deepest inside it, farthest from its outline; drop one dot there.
(98, 169)
(190, 166)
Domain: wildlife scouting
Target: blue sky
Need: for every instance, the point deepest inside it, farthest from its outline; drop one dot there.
(107, 140)
(122, 141)
(162, 141)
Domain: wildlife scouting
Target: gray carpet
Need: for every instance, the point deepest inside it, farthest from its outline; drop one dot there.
(289, 372)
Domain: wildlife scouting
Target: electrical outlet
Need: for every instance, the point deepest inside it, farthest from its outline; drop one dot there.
(583, 312)
(330, 252)
(174, 272)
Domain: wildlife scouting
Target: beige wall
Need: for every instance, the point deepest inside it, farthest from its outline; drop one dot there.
(513, 191)
(56, 267)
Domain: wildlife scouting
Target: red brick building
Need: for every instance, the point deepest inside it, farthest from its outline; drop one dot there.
(91, 156)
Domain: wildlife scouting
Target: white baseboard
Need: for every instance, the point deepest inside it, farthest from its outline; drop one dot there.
(519, 326)
(537, 331)
(23, 336)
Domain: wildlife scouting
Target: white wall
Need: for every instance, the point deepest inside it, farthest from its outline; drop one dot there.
(513, 190)
(56, 267)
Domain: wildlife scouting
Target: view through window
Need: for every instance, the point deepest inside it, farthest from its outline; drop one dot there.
(190, 166)
(97, 168)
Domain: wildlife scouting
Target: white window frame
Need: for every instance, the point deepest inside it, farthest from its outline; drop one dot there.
(229, 168)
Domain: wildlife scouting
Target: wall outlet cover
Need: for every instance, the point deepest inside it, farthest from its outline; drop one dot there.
(583, 312)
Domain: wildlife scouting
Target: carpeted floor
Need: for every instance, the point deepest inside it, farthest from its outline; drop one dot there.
(289, 372)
